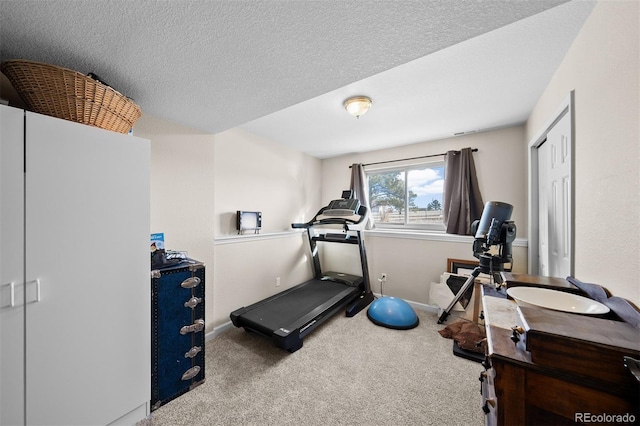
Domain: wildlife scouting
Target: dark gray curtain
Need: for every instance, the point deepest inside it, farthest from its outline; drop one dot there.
(462, 199)
(361, 190)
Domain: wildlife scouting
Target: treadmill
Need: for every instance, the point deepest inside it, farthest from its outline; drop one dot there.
(287, 317)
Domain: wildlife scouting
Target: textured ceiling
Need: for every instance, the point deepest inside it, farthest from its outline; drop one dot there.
(214, 65)
(490, 81)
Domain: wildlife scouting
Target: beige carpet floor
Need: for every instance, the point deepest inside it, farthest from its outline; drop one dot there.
(349, 371)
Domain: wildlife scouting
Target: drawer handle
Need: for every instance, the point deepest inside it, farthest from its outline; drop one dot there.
(483, 376)
(12, 295)
(191, 373)
(489, 402)
(38, 294)
(192, 303)
(486, 363)
(190, 282)
(193, 328)
(193, 352)
(633, 365)
(516, 332)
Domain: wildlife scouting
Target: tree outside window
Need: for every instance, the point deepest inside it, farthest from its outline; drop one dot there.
(407, 196)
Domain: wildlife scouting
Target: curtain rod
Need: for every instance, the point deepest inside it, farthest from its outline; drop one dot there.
(412, 158)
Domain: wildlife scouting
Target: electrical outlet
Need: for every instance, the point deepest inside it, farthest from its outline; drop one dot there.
(383, 277)
(277, 281)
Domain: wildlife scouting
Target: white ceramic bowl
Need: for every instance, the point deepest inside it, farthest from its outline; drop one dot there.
(556, 300)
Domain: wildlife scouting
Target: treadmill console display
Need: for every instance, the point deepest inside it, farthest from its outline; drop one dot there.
(342, 207)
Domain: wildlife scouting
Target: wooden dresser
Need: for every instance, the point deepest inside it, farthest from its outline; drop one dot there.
(513, 279)
(557, 368)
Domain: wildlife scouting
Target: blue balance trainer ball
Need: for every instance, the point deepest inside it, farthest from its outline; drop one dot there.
(392, 312)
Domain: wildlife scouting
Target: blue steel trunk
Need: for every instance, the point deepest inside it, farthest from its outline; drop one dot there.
(177, 334)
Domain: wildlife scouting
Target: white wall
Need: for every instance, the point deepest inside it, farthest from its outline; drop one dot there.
(182, 185)
(199, 180)
(257, 174)
(413, 262)
(501, 165)
(602, 67)
(246, 270)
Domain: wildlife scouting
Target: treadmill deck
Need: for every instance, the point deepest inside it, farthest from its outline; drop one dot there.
(293, 313)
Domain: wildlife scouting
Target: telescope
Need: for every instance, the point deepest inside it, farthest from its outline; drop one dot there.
(494, 234)
(494, 229)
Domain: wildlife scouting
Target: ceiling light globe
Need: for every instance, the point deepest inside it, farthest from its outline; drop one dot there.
(358, 105)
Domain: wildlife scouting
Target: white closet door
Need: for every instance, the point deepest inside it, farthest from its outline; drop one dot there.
(543, 209)
(87, 238)
(11, 266)
(556, 217)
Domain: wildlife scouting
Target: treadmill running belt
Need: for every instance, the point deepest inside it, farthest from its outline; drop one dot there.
(302, 300)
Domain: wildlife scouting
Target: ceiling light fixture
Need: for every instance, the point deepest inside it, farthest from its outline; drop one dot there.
(357, 105)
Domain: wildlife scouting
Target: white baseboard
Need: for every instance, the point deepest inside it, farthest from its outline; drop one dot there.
(133, 417)
(417, 305)
(217, 330)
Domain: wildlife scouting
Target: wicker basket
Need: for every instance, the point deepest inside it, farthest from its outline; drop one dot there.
(64, 93)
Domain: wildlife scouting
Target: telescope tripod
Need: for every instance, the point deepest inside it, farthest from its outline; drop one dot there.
(488, 264)
(474, 274)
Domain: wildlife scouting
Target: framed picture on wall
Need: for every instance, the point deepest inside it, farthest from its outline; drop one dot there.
(465, 267)
(461, 266)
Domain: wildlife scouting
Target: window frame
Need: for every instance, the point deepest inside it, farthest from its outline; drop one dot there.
(405, 169)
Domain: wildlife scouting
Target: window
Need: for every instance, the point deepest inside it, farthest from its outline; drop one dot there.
(407, 197)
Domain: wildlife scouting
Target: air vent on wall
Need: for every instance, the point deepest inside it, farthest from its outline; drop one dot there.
(465, 133)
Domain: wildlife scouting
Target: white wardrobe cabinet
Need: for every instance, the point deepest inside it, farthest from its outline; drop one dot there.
(74, 273)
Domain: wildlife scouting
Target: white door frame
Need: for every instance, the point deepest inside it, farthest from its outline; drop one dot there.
(567, 107)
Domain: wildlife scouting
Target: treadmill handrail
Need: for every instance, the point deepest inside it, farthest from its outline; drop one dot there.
(362, 212)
